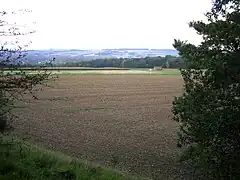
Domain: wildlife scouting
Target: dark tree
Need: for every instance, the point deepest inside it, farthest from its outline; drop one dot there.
(209, 109)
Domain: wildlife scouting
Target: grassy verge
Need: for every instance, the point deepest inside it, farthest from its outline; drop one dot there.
(128, 72)
(20, 160)
(113, 72)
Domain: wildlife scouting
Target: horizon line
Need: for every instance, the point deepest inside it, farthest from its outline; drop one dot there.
(98, 49)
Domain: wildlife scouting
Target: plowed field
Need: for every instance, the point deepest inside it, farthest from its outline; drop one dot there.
(121, 121)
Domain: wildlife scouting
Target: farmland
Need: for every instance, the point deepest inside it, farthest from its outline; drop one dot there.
(123, 121)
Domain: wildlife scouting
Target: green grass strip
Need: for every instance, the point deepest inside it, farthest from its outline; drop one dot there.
(21, 160)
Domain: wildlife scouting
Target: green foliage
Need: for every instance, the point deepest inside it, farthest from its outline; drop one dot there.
(208, 112)
(21, 161)
(147, 62)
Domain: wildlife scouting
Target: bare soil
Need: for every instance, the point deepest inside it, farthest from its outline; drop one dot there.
(123, 122)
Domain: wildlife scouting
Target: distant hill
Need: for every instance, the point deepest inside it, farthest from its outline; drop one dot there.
(76, 55)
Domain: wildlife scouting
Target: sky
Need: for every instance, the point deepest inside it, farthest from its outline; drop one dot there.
(98, 24)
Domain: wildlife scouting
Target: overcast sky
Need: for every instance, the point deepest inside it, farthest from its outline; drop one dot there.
(97, 24)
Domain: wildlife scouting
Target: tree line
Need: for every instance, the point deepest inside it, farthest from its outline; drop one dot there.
(146, 62)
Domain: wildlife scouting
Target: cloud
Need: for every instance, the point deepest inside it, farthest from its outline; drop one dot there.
(111, 23)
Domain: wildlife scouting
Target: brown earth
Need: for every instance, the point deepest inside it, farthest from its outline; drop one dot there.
(121, 121)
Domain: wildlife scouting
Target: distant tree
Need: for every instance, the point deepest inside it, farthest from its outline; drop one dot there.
(167, 59)
(14, 82)
(147, 62)
(128, 63)
(167, 64)
(208, 112)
